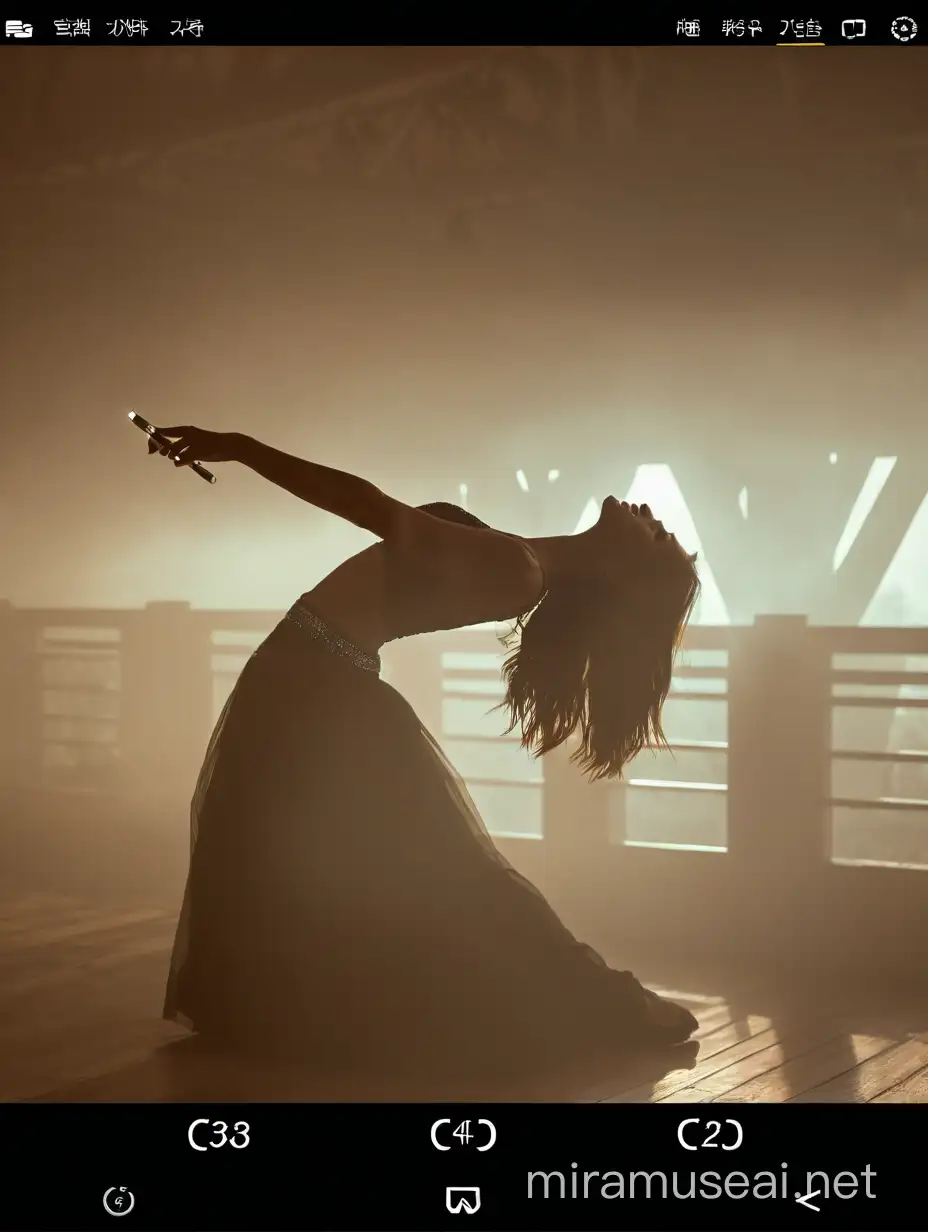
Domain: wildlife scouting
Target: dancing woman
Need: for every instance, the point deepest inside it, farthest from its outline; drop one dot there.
(345, 900)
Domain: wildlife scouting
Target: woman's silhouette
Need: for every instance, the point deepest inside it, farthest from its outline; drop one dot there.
(344, 899)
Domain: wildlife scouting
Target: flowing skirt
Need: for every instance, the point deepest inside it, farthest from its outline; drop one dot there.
(345, 901)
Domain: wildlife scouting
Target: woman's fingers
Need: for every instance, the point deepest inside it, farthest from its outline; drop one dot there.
(171, 449)
(177, 448)
(185, 444)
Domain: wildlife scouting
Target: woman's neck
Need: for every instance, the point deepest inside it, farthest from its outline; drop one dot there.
(563, 558)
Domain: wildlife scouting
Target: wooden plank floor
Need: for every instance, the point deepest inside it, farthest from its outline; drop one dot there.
(80, 994)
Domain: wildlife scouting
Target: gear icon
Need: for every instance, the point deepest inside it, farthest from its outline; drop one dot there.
(904, 29)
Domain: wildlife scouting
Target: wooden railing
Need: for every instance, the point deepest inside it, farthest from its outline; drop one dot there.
(795, 800)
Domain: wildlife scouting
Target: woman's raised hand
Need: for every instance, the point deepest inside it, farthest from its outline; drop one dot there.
(189, 444)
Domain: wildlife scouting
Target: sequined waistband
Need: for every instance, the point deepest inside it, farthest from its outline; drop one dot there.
(316, 628)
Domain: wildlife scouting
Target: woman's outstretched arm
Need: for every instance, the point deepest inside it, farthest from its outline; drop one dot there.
(347, 496)
(502, 569)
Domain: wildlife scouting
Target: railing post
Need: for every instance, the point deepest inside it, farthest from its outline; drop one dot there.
(779, 715)
(20, 704)
(413, 667)
(167, 700)
(576, 838)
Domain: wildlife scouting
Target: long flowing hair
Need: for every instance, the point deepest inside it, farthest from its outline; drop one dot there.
(599, 663)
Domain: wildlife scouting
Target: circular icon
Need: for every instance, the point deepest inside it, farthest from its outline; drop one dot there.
(904, 29)
(118, 1201)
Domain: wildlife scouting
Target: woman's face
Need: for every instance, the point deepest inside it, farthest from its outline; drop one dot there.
(630, 538)
(633, 528)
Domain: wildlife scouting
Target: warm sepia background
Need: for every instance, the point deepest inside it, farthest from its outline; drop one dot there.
(440, 265)
(518, 278)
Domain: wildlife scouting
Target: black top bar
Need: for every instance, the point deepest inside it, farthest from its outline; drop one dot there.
(392, 24)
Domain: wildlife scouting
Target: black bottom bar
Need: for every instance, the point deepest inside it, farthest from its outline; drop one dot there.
(662, 1166)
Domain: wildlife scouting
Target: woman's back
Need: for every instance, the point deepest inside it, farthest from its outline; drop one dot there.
(380, 595)
(384, 593)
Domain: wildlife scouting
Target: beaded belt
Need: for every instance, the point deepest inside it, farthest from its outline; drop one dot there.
(317, 629)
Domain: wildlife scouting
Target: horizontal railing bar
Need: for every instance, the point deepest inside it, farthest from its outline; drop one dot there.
(86, 650)
(899, 757)
(498, 695)
(879, 677)
(676, 746)
(680, 670)
(841, 639)
(231, 622)
(892, 804)
(698, 746)
(473, 695)
(78, 723)
(472, 673)
(638, 844)
(698, 637)
(673, 785)
(91, 687)
(478, 780)
(710, 637)
(78, 618)
(849, 639)
(687, 696)
(686, 670)
(53, 785)
(477, 739)
(881, 703)
(886, 640)
(110, 618)
(903, 866)
(110, 740)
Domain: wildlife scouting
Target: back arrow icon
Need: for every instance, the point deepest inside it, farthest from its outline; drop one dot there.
(806, 1199)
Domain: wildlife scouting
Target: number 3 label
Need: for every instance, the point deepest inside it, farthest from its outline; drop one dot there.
(239, 1137)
